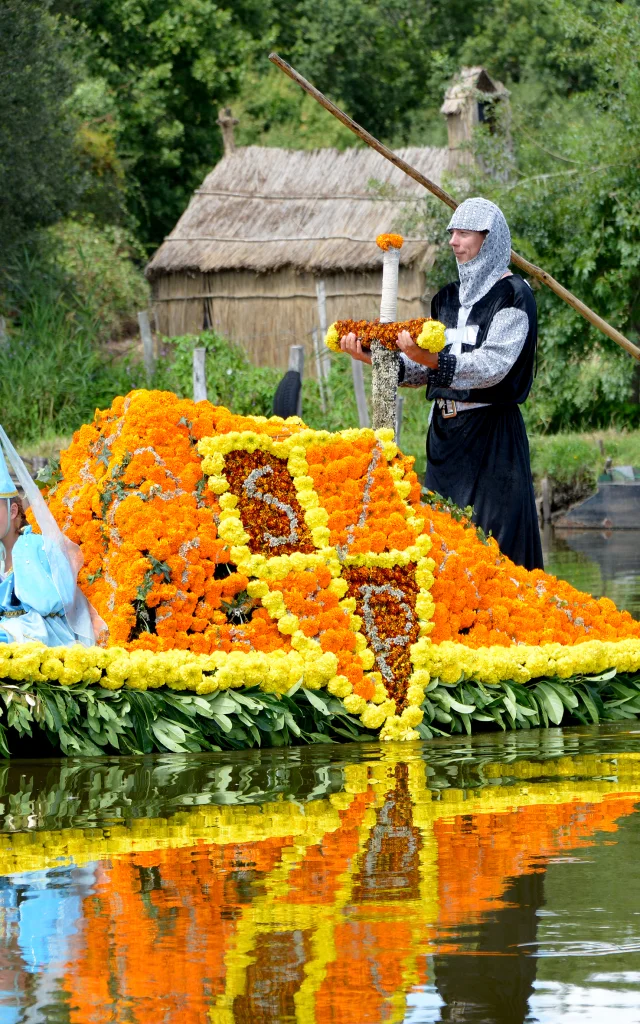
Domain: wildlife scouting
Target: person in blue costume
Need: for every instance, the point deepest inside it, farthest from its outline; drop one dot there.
(39, 597)
(30, 606)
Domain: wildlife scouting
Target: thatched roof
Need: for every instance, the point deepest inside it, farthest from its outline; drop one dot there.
(264, 208)
(470, 81)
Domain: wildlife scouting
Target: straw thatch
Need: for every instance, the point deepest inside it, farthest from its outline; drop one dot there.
(266, 313)
(261, 209)
(268, 225)
(270, 228)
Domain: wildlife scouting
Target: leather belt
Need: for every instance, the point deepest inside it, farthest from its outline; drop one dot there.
(449, 407)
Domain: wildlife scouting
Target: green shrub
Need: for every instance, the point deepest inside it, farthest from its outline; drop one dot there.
(565, 457)
(232, 380)
(623, 448)
(100, 274)
(54, 373)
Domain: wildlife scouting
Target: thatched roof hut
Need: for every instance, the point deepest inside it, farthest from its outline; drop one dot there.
(277, 241)
(270, 228)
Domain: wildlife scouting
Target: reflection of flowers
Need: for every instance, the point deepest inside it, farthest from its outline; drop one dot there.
(339, 933)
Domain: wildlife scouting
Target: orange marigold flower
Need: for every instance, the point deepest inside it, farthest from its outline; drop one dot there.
(386, 242)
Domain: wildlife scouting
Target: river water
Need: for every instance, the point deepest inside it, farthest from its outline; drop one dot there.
(493, 880)
(603, 563)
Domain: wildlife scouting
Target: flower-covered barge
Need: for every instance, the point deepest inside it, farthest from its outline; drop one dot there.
(266, 583)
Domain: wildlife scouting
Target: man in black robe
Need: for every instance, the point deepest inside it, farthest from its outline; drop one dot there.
(477, 448)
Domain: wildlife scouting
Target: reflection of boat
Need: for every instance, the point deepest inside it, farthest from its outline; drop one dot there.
(298, 912)
(617, 552)
(614, 506)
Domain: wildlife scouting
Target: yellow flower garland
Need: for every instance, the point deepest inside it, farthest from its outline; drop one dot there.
(114, 667)
(426, 333)
(380, 711)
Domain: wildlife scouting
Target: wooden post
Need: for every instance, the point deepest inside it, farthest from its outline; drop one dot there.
(227, 123)
(147, 343)
(3, 331)
(384, 363)
(399, 410)
(199, 375)
(318, 357)
(321, 294)
(361, 398)
(546, 500)
(296, 362)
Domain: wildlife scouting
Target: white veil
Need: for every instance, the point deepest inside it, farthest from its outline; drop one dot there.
(61, 553)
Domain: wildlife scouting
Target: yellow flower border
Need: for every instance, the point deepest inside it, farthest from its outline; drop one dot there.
(115, 667)
(379, 713)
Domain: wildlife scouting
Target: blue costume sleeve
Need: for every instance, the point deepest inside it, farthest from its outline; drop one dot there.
(7, 603)
(33, 584)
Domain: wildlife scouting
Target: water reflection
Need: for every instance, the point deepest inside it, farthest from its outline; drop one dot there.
(605, 563)
(460, 881)
(494, 979)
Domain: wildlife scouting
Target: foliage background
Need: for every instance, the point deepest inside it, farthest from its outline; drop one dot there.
(108, 115)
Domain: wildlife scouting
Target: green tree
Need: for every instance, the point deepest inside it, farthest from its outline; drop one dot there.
(384, 58)
(38, 166)
(166, 66)
(274, 111)
(578, 213)
(539, 43)
(103, 179)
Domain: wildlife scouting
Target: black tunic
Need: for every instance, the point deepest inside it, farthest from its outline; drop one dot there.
(481, 456)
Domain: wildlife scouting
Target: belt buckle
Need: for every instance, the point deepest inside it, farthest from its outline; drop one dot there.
(448, 415)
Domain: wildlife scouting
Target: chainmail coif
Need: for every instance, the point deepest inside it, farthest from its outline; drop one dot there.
(481, 273)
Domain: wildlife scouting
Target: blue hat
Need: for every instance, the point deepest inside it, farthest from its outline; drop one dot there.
(7, 486)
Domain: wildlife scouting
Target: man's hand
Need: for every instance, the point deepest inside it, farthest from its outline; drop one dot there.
(350, 344)
(415, 353)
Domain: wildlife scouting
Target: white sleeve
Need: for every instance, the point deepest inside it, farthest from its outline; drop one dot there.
(490, 363)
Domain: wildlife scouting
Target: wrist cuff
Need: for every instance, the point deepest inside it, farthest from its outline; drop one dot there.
(443, 376)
